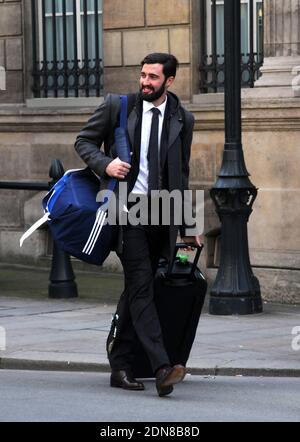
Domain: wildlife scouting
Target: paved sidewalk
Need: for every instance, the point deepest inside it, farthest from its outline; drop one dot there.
(60, 334)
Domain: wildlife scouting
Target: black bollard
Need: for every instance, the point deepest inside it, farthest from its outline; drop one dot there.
(62, 279)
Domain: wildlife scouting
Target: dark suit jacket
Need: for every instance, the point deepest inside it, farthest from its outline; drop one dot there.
(175, 151)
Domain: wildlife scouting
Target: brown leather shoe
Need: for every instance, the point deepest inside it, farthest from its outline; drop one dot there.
(166, 377)
(124, 379)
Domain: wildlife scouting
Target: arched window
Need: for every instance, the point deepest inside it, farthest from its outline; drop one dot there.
(67, 48)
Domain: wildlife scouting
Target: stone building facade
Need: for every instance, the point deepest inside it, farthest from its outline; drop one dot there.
(11, 50)
(35, 131)
(151, 26)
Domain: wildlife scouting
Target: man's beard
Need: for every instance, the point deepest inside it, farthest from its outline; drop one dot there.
(155, 95)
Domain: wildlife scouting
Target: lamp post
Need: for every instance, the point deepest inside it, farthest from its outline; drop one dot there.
(236, 290)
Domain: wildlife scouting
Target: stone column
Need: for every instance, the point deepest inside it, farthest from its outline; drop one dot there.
(282, 32)
(2, 79)
(281, 45)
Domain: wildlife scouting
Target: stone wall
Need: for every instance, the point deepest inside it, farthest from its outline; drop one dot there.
(272, 153)
(11, 49)
(30, 139)
(134, 28)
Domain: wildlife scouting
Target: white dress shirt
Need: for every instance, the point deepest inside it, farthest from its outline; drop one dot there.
(141, 184)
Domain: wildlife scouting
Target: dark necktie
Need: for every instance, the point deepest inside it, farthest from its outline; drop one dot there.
(153, 158)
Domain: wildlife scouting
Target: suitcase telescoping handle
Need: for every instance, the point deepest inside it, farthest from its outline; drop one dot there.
(184, 246)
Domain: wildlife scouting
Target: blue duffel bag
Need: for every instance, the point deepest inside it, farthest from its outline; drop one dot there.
(77, 221)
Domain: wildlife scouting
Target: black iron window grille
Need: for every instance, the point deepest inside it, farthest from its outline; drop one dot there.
(67, 48)
(212, 43)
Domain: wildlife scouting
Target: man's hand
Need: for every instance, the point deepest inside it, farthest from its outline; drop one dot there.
(118, 169)
(192, 241)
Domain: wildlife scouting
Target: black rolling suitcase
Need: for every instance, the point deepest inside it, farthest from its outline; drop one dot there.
(180, 290)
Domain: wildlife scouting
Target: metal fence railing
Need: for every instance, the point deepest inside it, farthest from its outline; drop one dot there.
(212, 61)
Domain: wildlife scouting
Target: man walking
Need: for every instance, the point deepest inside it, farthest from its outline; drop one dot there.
(160, 135)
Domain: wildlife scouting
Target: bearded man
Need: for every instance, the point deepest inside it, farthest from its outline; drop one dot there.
(160, 136)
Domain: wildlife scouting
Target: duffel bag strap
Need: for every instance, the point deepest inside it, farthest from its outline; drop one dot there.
(121, 140)
(34, 227)
(123, 151)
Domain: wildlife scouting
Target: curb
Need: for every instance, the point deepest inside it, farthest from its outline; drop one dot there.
(30, 364)
(247, 372)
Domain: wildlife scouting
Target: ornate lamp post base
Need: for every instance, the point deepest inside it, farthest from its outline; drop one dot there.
(234, 306)
(236, 290)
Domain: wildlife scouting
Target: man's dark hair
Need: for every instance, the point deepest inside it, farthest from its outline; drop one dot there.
(169, 62)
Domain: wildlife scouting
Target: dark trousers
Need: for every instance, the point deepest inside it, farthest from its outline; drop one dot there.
(138, 323)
